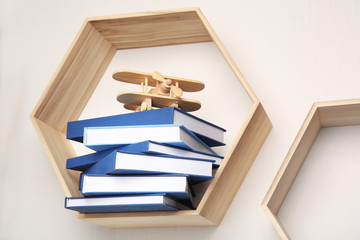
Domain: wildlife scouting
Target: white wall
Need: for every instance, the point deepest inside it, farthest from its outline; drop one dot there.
(292, 53)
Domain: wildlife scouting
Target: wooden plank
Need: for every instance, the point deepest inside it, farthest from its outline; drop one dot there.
(236, 165)
(139, 14)
(152, 29)
(277, 224)
(59, 149)
(64, 98)
(339, 113)
(227, 57)
(293, 161)
(62, 68)
(91, 87)
(147, 219)
(120, 44)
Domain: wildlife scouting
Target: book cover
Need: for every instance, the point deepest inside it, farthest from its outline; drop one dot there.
(102, 138)
(164, 149)
(81, 163)
(127, 203)
(121, 163)
(105, 185)
(211, 134)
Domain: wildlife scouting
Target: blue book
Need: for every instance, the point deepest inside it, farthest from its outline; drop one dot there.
(164, 149)
(105, 185)
(81, 163)
(102, 138)
(121, 163)
(129, 203)
(211, 134)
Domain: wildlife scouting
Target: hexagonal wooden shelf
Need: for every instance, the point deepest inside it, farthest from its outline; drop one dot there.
(81, 70)
(322, 114)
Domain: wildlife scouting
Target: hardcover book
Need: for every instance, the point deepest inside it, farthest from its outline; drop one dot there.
(81, 163)
(129, 203)
(211, 134)
(102, 138)
(102, 185)
(158, 148)
(120, 163)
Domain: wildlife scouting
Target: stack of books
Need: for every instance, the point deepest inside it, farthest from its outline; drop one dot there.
(144, 161)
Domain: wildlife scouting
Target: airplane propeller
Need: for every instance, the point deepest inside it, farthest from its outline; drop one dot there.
(168, 84)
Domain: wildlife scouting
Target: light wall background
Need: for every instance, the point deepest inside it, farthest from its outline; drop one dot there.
(292, 53)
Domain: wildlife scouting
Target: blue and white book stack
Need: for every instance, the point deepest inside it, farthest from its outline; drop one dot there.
(144, 161)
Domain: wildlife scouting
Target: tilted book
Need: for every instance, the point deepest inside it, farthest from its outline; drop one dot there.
(81, 163)
(120, 163)
(158, 148)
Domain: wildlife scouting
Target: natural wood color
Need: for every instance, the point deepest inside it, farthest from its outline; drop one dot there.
(136, 98)
(295, 158)
(137, 77)
(134, 107)
(176, 91)
(166, 92)
(322, 114)
(147, 219)
(238, 161)
(82, 102)
(146, 85)
(227, 57)
(79, 73)
(152, 29)
(62, 69)
(166, 86)
(276, 223)
(58, 148)
(68, 90)
(339, 113)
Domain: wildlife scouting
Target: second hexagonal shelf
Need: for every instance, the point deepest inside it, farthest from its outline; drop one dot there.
(322, 114)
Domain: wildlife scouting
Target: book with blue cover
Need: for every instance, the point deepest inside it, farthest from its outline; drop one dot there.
(105, 185)
(81, 163)
(127, 203)
(102, 138)
(158, 148)
(209, 133)
(121, 163)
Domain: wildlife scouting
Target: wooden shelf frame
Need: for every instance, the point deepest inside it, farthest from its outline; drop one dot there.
(81, 70)
(321, 115)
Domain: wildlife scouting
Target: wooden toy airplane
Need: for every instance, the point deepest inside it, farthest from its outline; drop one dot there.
(166, 92)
